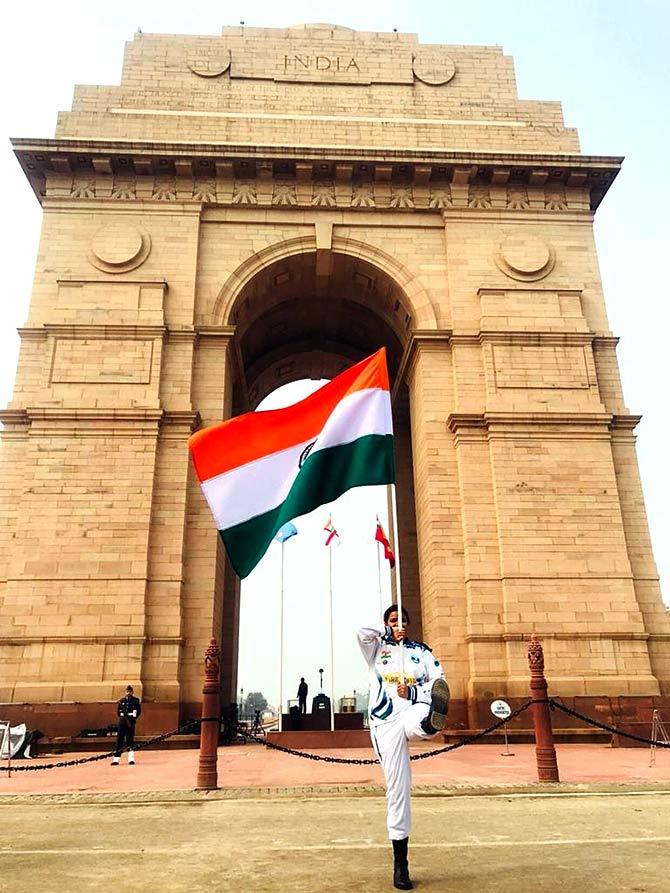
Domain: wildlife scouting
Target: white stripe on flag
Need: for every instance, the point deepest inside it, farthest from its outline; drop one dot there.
(259, 486)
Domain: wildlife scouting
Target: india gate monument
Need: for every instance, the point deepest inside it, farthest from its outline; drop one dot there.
(267, 205)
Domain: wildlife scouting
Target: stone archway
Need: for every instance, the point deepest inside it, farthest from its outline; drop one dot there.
(182, 228)
(297, 315)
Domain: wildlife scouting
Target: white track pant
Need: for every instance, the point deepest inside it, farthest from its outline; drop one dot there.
(391, 743)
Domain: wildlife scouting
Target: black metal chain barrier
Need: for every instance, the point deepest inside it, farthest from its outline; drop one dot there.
(469, 739)
(61, 764)
(555, 705)
(194, 723)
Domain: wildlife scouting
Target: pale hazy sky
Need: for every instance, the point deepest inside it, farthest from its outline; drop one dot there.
(607, 61)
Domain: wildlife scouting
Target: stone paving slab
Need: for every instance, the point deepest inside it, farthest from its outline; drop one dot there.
(559, 789)
(304, 844)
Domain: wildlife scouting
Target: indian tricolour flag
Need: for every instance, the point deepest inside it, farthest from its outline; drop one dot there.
(261, 469)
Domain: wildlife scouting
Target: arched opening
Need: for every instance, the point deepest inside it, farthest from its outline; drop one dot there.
(306, 316)
(300, 605)
(301, 317)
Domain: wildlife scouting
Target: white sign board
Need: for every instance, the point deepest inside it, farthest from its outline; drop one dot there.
(501, 709)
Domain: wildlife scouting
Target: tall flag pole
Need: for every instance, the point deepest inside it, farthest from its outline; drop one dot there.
(382, 542)
(396, 543)
(332, 538)
(281, 643)
(283, 534)
(379, 574)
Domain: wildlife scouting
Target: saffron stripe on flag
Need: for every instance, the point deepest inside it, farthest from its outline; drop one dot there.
(260, 486)
(256, 434)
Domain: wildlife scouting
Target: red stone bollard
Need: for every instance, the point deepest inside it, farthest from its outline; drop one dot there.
(209, 731)
(547, 767)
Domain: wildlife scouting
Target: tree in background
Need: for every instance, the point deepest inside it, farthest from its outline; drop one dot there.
(255, 700)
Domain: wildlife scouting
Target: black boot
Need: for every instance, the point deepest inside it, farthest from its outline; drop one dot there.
(401, 879)
(439, 706)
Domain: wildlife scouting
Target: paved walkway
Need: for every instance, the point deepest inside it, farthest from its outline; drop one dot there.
(254, 766)
(616, 843)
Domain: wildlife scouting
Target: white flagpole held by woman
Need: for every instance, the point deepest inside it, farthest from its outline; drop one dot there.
(281, 642)
(379, 572)
(396, 544)
(332, 649)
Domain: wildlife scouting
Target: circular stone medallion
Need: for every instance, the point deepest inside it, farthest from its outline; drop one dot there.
(210, 66)
(118, 247)
(434, 68)
(525, 257)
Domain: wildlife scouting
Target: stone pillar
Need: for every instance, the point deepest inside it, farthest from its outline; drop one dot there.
(483, 583)
(547, 767)
(209, 728)
(652, 645)
(204, 556)
(438, 515)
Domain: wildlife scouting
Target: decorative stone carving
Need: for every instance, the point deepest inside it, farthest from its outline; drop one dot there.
(402, 197)
(363, 196)
(323, 195)
(284, 194)
(555, 199)
(517, 198)
(244, 193)
(83, 189)
(440, 197)
(212, 662)
(123, 188)
(119, 247)
(165, 189)
(204, 190)
(210, 66)
(525, 257)
(433, 68)
(479, 197)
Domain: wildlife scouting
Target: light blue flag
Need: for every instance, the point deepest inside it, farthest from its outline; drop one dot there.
(286, 532)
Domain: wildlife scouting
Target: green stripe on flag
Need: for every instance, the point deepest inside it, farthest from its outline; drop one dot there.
(325, 475)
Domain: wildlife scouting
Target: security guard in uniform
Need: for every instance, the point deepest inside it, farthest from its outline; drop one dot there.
(128, 710)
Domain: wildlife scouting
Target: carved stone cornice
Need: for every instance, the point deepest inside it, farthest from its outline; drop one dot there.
(74, 280)
(187, 419)
(130, 332)
(503, 425)
(176, 336)
(98, 420)
(604, 342)
(535, 338)
(126, 331)
(622, 426)
(224, 333)
(91, 170)
(14, 417)
(95, 422)
(560, 636)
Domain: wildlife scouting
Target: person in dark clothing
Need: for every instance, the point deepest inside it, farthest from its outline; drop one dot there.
(302, 695)
(128, 710)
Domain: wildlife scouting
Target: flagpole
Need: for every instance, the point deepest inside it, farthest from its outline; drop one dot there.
(379, 578)
(379, 572)
(281, 642)
(396, 543)
(332, 650)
